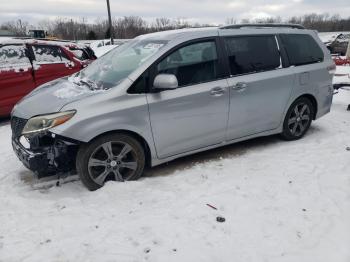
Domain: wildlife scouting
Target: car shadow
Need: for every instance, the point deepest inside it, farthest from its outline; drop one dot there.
(229, 151)
(187, 162)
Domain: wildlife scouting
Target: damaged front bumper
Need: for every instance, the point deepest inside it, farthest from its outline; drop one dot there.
(43, 153)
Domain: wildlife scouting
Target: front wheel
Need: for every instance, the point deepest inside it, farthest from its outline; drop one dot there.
(116, 157)
(298, 119)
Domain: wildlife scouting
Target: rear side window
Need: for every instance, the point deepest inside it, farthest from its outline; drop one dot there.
(302, 49)
(192, 64)
(49, 54)
(249, 54)
(13, 54)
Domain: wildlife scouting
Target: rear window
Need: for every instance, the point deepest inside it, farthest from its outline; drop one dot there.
(248, 54)
(302, 49)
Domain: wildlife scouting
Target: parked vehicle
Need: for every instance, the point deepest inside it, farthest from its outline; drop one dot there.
(27, 64)
(169, 94)
(102, 47)
(341, 61)
(336, 43)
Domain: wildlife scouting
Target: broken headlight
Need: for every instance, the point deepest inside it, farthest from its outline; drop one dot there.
(44, 122)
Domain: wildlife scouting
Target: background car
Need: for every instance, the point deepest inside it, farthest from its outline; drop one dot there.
(336, 43)
(27, 64)
(340, 44)
(101, 47)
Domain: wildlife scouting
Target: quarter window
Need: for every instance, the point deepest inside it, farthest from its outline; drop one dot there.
(140, 85)
(192, 64)
(249, 54)
(302, 49)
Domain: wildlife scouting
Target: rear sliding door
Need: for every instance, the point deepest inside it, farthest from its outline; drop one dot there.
(259, 86)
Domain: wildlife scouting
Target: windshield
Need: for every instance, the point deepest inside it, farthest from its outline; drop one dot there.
(116, 65)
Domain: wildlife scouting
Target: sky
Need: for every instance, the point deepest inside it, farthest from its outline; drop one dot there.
(201, 11)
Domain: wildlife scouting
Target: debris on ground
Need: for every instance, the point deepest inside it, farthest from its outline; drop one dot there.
(212, 207)
(220, 219)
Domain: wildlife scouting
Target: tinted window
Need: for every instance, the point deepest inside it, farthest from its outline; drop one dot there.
(192, 64)
(140, 85)
(252, 54)
(48, 54)
(302, 49)
(13, 54)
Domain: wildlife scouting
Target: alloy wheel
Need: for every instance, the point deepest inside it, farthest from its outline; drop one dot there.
(115, 159)
(299, 119)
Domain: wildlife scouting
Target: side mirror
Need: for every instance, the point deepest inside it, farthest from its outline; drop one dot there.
(165, 82)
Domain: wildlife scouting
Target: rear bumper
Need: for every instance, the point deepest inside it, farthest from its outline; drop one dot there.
(324, 100)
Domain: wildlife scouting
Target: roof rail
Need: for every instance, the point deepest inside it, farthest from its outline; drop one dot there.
(239, 26)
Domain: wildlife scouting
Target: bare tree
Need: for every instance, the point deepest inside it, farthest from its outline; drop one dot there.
(18, 27)
(132, 26)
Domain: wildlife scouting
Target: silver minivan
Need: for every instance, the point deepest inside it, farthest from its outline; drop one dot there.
(165, 95)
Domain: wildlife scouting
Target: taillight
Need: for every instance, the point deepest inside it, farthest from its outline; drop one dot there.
(331, 69)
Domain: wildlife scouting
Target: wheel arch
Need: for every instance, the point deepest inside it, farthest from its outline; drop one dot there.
(138, 137)
(313, 102)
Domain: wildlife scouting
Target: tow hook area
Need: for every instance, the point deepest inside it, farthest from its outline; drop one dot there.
(46, 153)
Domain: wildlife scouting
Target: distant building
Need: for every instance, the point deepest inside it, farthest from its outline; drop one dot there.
(37, 33)
(6, 33)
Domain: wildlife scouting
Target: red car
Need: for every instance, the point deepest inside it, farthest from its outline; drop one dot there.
(341, 61)
(27, 64)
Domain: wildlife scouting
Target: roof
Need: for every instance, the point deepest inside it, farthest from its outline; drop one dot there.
(263, 25)
(18, 41)
(212, 31)
(172, 34)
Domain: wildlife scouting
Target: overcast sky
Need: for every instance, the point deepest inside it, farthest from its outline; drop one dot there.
(203, 11)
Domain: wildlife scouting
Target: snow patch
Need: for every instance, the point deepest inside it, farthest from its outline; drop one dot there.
(75, 88)
(19, 67)
(13, 55)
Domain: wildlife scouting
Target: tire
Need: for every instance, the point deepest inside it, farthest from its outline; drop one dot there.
(117, 157)
(298, 119)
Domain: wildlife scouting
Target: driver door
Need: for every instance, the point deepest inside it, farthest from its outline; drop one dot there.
(195, 114)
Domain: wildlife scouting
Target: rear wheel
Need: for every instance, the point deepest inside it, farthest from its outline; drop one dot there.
(298, 119)
(116, 157)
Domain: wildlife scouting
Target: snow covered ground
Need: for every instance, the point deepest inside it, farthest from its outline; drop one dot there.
(282, 201)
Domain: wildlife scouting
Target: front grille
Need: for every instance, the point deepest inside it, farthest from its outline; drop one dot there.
(17, 125)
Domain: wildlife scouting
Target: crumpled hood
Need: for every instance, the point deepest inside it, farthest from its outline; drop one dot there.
(50, 98)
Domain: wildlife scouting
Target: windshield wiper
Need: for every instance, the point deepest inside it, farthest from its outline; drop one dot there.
(88, 83)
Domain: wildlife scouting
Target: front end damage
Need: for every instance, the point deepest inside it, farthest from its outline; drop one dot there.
(44, 152)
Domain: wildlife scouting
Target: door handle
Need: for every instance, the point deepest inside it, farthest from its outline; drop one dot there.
(240, 86)
(217, 91)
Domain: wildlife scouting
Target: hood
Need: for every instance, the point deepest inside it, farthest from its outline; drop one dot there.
(51, 97)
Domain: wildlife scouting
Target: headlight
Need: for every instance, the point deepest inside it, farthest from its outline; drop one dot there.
(45, 122)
